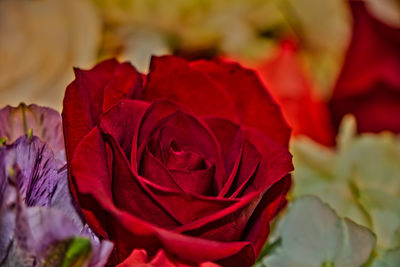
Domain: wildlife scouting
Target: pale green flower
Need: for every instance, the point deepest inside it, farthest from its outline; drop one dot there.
(360, 179)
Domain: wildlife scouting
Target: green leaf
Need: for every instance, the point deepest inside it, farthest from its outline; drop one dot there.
(312, 234)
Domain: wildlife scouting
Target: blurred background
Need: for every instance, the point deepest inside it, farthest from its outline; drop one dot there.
(298, 47)
(41, 40)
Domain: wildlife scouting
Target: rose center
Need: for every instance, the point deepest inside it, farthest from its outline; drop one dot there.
(178, 158)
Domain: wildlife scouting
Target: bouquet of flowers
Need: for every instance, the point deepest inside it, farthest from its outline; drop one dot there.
(200, 133)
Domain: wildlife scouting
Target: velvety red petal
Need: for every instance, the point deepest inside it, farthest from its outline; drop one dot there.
(253, 104)
(167, 122)
(270, 205)
(195, 182)
(94, 186)
(156, 111)
(176, 173)
(130, 195)
(154, 170)
(226, 225)
(122, 121)
(276, 162)
(83, 103)
(182, 158)
(125, 83)
(230, 139)
(91, 93)
(89, 169)
(172, 78)
(192, 207)
(248, 167)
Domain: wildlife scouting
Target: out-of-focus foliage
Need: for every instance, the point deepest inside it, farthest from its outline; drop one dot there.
(312, 235)
(40, 42)
(360, 179)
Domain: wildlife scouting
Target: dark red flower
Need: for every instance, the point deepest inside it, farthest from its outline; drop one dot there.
(191, 158)
(369, 84)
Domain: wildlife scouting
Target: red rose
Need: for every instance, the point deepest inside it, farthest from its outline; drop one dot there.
(369, 84)
(191, 158)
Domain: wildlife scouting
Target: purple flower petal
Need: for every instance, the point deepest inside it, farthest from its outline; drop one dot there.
(7, 221)
(37, 211)
(45, 123)
(48, 226)
(62, 199)
(38, 171)
(16, 238)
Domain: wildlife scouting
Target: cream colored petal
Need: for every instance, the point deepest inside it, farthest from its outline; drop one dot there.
(40, 42)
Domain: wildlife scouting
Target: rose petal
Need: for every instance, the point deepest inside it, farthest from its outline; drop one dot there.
(91, 93)
(249, 164)
(145, 234)
(230, 139)
(276, 162)
(188, 132)
(128, 185)
(154, 113)
(91, 153)
(225, 225)
(154, 170)
(178, 158)
(253, 104)
(122, 122)
(189, 87)
(83, 102)
(126, 83)
(195, 182)
(197, 206)
(98, 178)
(272, 202)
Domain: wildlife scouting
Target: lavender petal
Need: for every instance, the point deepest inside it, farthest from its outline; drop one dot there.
(38, 171)
(45, 123)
